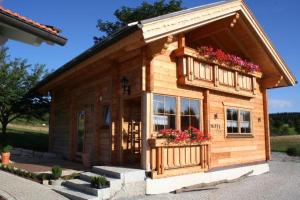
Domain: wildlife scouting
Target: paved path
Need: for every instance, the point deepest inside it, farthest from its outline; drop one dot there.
(15, 188)
(282, 183)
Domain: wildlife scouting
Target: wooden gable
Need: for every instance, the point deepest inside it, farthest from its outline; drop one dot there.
(228, 25)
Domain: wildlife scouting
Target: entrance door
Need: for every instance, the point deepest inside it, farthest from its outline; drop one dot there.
(131, 132)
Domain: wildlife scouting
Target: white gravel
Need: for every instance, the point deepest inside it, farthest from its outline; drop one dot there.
(281, 183)
(17, 188)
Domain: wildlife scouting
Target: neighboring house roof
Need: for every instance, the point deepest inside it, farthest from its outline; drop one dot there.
(14, 25)
(173, 23)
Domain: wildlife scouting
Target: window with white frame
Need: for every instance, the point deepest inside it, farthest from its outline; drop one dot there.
(189, 113)
(238, 121)
(245, 122)
(164, 112)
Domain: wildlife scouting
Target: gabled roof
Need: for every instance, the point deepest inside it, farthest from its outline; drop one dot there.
(14, 20)
(189, 19)
(185, 20)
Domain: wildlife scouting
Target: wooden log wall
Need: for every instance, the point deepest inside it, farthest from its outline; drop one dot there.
(225, 151)
(90, 89)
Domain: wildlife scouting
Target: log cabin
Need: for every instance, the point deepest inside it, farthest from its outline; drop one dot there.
(126, 100)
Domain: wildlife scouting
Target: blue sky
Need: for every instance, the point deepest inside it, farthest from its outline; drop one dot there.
(77, 19)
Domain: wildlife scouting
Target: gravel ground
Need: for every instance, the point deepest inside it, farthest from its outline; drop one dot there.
(281, 183)
(15, 188)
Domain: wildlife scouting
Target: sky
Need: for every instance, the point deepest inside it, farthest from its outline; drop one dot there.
(78, 18)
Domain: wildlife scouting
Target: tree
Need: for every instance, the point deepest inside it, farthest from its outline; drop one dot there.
(126, 15)
(16, 98)
(297, 126)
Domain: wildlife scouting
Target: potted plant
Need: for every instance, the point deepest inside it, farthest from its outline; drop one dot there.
(99, 182)
(5, 154)
(56, 174)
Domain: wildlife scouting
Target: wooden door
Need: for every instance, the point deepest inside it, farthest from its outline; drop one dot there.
(131, 132)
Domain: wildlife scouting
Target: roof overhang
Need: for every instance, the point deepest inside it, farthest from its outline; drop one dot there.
(112, 44)
(16, 27)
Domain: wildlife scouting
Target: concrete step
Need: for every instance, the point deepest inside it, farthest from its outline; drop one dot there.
(115, 183)
(127, 175)
(85, 187)
(74, 194)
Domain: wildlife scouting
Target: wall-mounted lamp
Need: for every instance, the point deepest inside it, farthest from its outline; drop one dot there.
(126, 86)
(259, 119)
(216, 115)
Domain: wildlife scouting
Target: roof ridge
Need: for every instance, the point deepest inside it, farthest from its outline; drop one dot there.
(188, 10)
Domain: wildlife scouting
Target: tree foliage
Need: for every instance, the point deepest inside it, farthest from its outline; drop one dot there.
(285, 123)
(126, 15)
(16, 99)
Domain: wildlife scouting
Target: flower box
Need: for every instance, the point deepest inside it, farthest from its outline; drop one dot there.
(186, 51)
(169, 137)
(164, 142)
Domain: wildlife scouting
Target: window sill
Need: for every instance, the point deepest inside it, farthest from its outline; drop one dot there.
(239, 136)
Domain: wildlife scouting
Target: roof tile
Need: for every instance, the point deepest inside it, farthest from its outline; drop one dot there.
(29, 21)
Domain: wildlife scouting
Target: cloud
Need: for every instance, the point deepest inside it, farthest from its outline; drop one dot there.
(280, 104)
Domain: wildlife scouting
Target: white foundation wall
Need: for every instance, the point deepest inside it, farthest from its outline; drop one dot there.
(166, 185)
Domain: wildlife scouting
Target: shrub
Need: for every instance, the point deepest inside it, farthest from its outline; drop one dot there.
(292, 151)
(18, 172)
(11, 169)
(99, 182)
(44, 176)
(56, 172)
(32, 176)
(6, 149)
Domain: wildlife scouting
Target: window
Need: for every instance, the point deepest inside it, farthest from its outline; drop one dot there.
(232, 121)
(245, 122)
(106, 116)
(80, 130)
(190, 110)
(164, 110)
(238, 121)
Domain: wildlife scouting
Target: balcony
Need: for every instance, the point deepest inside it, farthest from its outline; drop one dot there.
(169, 159)
(198, 71)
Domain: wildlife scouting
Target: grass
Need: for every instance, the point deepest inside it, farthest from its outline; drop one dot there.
(27, 139)
(282, 143)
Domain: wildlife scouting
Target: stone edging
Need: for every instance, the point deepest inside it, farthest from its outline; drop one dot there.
(25, 153)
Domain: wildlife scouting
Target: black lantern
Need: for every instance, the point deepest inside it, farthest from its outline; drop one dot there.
(125, 85)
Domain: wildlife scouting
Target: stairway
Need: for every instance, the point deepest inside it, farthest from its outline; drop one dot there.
(118, 177)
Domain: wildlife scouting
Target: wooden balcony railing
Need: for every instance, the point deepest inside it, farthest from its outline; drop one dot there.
(198, 71)
(169, 159)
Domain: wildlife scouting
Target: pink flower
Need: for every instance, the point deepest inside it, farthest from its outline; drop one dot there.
(232, 60)
(191, 135)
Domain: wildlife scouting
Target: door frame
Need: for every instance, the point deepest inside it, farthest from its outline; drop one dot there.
(123, 101)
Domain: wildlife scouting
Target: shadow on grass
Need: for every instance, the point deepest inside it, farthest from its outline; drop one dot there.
(36, 141)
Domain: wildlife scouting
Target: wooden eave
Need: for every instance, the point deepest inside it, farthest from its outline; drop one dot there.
(160, 27)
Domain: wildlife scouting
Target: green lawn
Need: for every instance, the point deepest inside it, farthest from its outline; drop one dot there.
(27, 139)
(282, 143)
